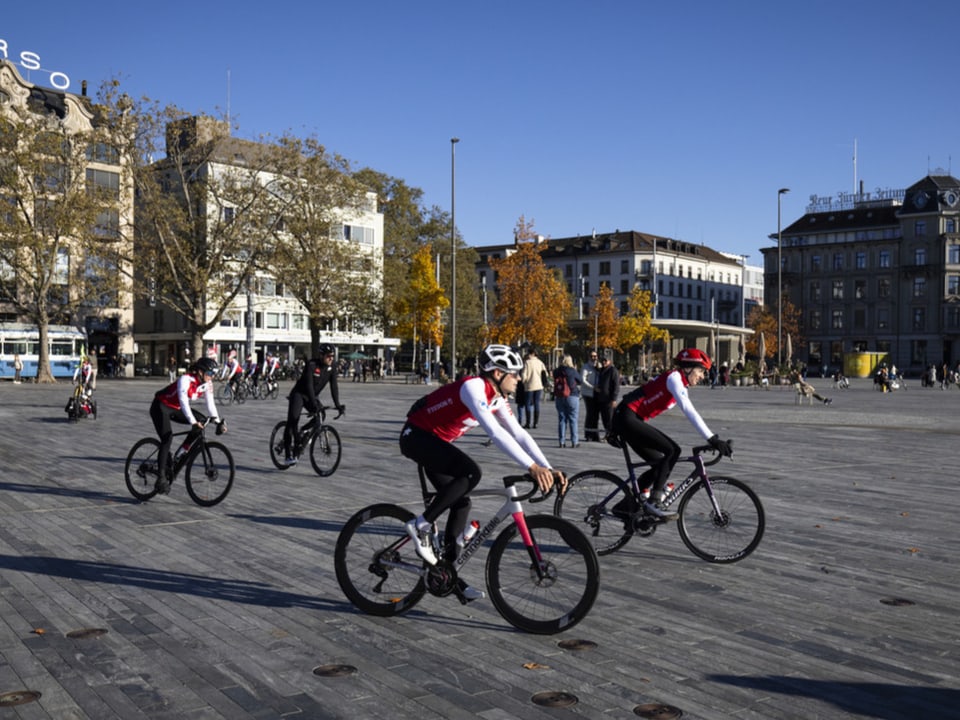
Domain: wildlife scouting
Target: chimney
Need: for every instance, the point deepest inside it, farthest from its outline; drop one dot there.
(83, 88)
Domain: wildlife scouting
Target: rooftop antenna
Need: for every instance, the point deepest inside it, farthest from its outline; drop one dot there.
(854, 165)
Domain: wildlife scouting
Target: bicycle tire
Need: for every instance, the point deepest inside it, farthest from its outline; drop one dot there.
(224, 395)
(209, 480)
(277, 450)
(240, 394)
(140, 469)
(274, 391)
(325, 451)
(371, 586)
(552, 604)
(587, 504)
(729, 538)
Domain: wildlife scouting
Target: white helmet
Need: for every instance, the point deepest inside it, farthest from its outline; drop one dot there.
(500, 357)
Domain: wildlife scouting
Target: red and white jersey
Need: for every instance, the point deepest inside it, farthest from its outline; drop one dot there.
(662, 393)
(231, 368)
(178, 394)
(470, 402)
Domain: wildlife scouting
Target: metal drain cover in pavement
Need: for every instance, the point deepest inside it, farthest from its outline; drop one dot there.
(554, 699)
(577, 644)
(86, 633)
(334, 670)
(897, 602)
(658, 711)
(20, 697)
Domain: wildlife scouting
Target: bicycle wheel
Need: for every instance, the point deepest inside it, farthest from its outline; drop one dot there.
(224, 394)
(562, 595)
(274, 391)
(587, 504)
(277, 451)
(209, 473)
(377, 569)
(726, 538)
(240, 394)
(325, 450)
(140, 470)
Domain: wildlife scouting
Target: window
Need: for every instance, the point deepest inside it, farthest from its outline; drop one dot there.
(108, 224)
(815, 320)
(228, 215)
(859, 320)
(953, 254)
(838, 261)
(815, 291)
(883, 260)
(920, 256)
(585, 269)
(860, 289)
(605, 267)
(919, 287)
(919, 318)
(105, 182)
(836, 319)
(953, 284)
(951, 225)
(586, 287)
(568, 270)
(624, 307)
(624, 287)
(230, 319)
(358, 234)
(919, 228)
(861, 260)
(883, 319)
(61, 271)
(883, 288)
(299, 322)
(624, 267)
(953, 317)
(838, 289)
(918, 352)
(815, 263)
(276, 321)
(103, 153)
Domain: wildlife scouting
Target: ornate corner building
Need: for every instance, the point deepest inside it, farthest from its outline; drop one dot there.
(875, 273)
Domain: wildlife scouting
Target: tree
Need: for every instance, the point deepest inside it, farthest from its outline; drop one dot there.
(61, 240)
(312, 193)
(636, 327)
(763, 319)
(532, 302)
(603, 317)
(203, 212)
(420, 312)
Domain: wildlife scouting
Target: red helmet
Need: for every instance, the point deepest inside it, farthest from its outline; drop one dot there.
(691, 357)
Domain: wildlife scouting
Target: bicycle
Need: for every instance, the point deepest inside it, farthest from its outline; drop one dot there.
(231, 392)
(80, 404)
(720, 519)
(208, 481)
(323, 441)
(542, 574)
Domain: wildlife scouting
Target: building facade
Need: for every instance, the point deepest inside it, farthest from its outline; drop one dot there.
(698, 293)
(875, 273)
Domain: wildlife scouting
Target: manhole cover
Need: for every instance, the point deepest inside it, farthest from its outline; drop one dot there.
(334, 670)
(21, 697)
(86, 633)
(658, 711)
(554, 699)
(577, 644)
(897, 602)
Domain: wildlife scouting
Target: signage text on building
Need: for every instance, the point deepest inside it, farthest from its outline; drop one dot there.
(31, 61)
(849, 200)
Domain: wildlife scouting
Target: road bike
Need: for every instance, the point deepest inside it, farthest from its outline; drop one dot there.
(322, 441)
(720, 519)
(81, 404)
(208, 468)
(542, 574)
(231, 392)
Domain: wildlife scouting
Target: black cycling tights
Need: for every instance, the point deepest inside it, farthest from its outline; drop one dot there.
(652, 445)
(451, 471)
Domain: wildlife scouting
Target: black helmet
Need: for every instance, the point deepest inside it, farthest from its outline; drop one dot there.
(206, 365)
(327, 349)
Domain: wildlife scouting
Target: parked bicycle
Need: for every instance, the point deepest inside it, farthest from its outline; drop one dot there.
(542, 573)
(720, 519)
(208, 468)
(322, 441)
(80, 404)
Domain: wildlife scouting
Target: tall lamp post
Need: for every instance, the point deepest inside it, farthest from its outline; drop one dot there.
(780, 193)
(743, 292)
(453, 257)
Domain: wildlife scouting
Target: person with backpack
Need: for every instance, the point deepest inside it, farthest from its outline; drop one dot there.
(566, 398)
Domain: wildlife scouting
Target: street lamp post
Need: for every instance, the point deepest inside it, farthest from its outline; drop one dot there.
(483, 286)
(743, 291)
(453, 258)
(780, 193)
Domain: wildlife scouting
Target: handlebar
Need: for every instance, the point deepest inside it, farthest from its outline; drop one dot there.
(529, 495)
(710, 450)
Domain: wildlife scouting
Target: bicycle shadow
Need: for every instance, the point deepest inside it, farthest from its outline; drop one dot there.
(887, 701)
(162, 580)
(65, 492)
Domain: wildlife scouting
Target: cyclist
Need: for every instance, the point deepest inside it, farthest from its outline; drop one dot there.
(442, 416)
(631, 425)
(83, 376)
(306, 393)
(232, 372)
(172, 404)
(270, 368)
(250, 370)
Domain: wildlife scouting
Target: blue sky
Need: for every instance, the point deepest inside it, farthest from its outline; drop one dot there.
(680, 119)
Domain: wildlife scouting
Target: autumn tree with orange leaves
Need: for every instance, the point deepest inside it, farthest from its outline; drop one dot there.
(763, 319)
(419, 311)
(532, 302)
(603, 318)
(636, 327)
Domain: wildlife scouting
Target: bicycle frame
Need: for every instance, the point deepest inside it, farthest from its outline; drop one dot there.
(699, 472)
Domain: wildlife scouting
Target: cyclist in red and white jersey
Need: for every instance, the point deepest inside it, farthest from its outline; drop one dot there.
(438, 419)
(637, 408)
(172, 405)
(232, 372)
(270, 367)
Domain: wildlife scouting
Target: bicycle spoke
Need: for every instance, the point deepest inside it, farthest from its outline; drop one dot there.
(588, 504)
(729, 535)
(209, 474)
(325, 451)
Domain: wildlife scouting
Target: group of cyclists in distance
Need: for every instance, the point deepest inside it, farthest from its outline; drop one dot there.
(439, 418)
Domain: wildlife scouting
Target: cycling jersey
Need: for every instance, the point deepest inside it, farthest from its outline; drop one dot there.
(272, 365)
(231, 369)
(453, 409)
(662, 393)
(314, 378)
(83, 373)
(178, 394)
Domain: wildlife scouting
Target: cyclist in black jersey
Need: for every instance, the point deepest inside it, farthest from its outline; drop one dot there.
(306, 394)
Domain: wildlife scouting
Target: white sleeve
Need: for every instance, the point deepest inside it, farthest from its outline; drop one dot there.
(183, 385)
(679, 391)
(211, 405)
(501, 425)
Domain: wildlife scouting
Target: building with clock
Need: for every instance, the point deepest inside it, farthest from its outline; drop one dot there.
(875, 273)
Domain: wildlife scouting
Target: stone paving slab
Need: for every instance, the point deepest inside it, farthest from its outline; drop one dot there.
(225, 612)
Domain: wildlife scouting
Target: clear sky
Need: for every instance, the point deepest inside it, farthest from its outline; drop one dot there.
(675, 118)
